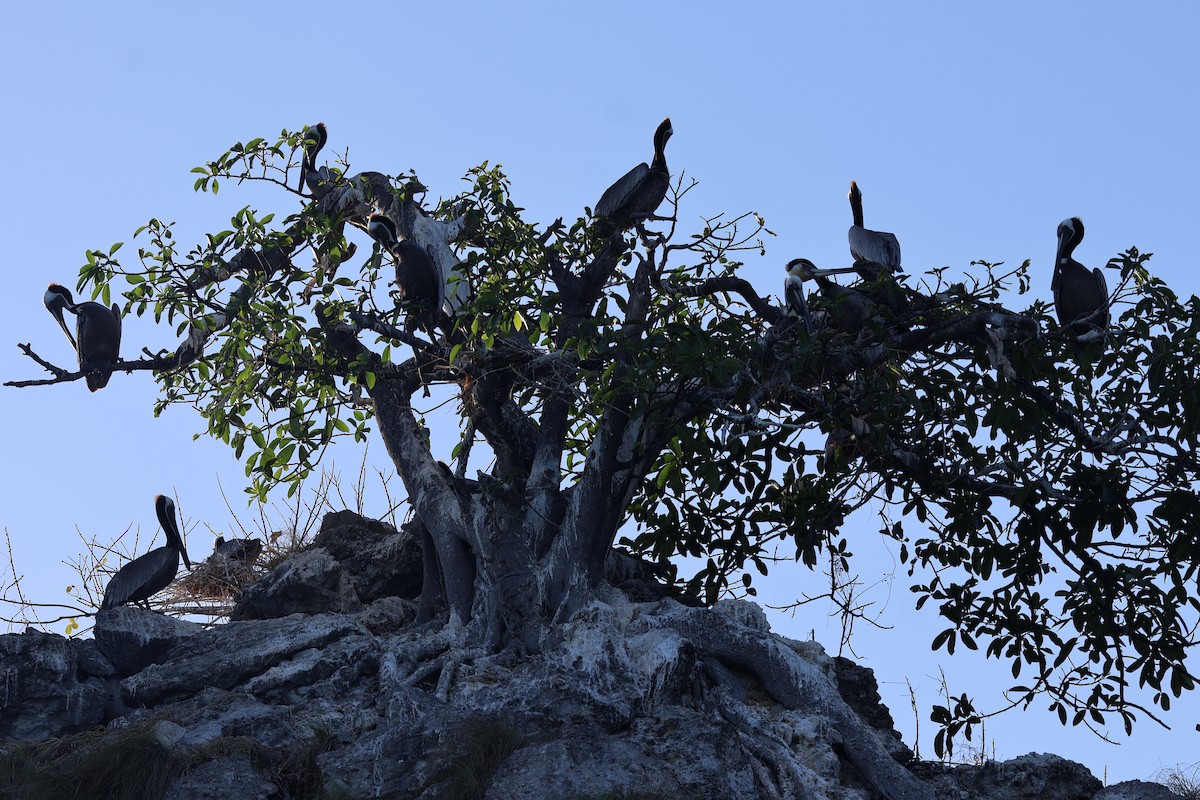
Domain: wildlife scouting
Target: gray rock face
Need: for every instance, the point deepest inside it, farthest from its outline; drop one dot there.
(132, 639)
(45, 689)
(228, 778)
(857, 686)
(311, 582)
(1035, 775)
(1136, 790)
(271, 653)
(352, 562)
(327, 686)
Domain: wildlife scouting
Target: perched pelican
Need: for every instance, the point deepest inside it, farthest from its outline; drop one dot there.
(149, 574)
(793, 295)
(882, 249)
(1080, 296)
(97, 339)
(417, 277)
(237, 549)
(850, 309)
(639, 194)
(313, 139)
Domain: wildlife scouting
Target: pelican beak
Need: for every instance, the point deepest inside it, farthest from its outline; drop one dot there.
(183, 552)
(821, 272)
(54, 304)
(58, 315)
(1064, 235)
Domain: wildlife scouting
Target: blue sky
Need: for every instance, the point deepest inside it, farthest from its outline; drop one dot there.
(972, 131)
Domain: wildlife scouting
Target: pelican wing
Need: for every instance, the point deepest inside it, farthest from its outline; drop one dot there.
(99, 342)
(881, 248)
(141, 578)
(617, 195)
(419, 282)
(1102, 287)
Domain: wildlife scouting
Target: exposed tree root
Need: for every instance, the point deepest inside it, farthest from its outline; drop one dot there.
(794, 682)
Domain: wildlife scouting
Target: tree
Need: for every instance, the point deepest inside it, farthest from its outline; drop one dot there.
(633, 382)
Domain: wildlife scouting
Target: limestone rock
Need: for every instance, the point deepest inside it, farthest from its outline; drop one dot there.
(326, 687)
(230, 778)
(352, 562)
(43, 693)
(1136, 790)
(858, 687)
(1035, 775)
(229, 655)
(132, 638)
(311, 582)
(380, 561)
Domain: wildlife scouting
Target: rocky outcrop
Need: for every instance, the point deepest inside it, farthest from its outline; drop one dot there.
(352, 562)
(1036, 775)
(51, 686)
(345, 696)
(1136, 790)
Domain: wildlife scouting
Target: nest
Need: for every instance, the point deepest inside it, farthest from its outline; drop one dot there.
(217, 579)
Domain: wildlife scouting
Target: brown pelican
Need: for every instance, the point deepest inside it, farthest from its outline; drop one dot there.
(149, 574)
(638, 195)
(850, 309)
(881, 249)
(312, 140)
(417, 277)
(237, 549)
(1080, 296)
(793, 295)
(97, 339)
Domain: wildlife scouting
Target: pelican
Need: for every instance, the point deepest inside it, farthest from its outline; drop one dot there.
(237, 549)
(149, 574)
(850, 309)
(97, 339)
(417, 277)
(793, 295)
(639, 194)
(313, 138)
(876, 247)
(1080, 296)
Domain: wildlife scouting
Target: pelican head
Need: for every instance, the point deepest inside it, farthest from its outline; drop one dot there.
(806, 270)
(1070, 234)
(664, 132)
(856, 210)
(313, 138)
(165, 508)
(382, 229)
(57, 298)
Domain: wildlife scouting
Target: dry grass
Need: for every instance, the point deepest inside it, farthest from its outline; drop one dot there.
(133, 764)
(128, 764)
(1183, 781)
(471, 755)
